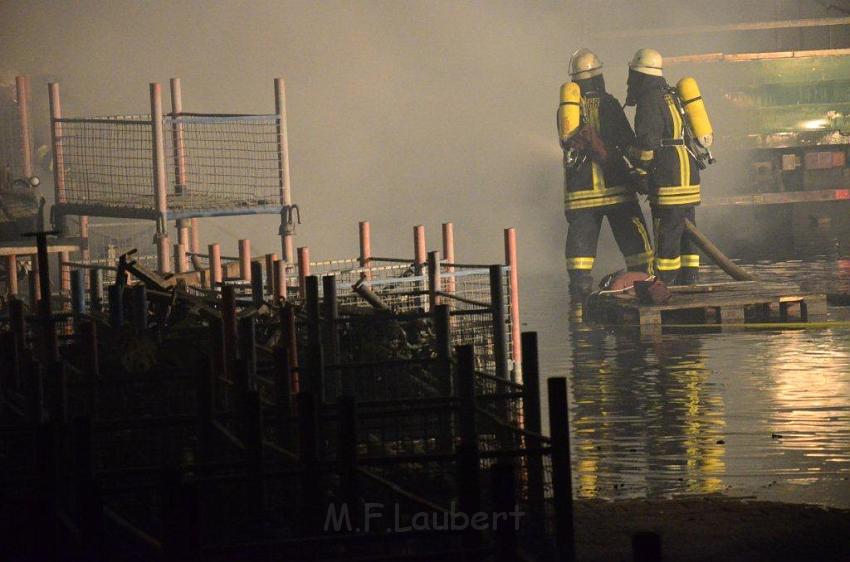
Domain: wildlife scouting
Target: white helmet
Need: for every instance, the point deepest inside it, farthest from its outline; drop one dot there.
(647, 61)
(584, 64)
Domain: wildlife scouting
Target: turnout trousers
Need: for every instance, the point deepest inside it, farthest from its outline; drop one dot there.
(676, 257)
(629, 228)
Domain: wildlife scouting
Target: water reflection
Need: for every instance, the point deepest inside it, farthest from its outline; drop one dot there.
(761, 413)
(645, 414)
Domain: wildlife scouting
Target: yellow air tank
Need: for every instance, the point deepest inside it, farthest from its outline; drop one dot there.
(569, 112)
(695, 110)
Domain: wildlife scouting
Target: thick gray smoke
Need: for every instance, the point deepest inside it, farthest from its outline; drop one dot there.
(399, 112)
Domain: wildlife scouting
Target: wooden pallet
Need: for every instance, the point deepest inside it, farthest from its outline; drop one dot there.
(715, 303)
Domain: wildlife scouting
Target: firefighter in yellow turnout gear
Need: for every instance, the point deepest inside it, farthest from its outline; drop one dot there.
(593, 130)
(667, 148)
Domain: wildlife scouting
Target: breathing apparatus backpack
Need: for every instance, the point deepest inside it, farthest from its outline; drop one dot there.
(699, 135)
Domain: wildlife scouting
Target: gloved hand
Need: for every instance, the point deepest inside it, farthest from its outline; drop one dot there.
(639, 180)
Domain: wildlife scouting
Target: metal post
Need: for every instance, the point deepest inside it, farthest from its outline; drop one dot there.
(51, 344)
(181, 265)
(531, 417)
(562, 485)
(96, 290)
(279, 274)
(160, 180)
(434, 285)
(257, 283)
(163, 245)
(245, 259)
(23, 93)
(58, 154)
(228, 318)
(497, 304)
(330, 311)
(287, 234)
(449, 255)
(289, 337)
(366, 250)
(303, 270)
(513, 295)
(78, 292)
(12, 275)
(419, 258)
(195, 235)
(270, 285)
(183, 233)
(177, 138)
(419, 248)
(215, 265)
(468, 454)
(315, 359)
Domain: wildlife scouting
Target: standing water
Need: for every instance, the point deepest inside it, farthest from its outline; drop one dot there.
(745, 412)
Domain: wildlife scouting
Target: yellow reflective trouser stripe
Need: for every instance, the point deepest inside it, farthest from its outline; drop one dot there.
(580, 263)
(677, 195)
(586, 198)
(664, 264)
(690, 260)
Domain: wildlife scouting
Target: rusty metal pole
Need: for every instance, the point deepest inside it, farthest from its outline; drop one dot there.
(58, 154)
(180, 262)
(449, 254)
(434, 285)
(12, 275)
(303, 270)
(160, 180)
(366, 250)
(215, 265)
(23, 92)
(177, 137)
(195, 235)
(513, 295)
(183, 233)
(245, 259)
(287, 234)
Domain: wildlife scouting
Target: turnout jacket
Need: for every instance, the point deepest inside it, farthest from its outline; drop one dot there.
(591, 185)
(661, 147)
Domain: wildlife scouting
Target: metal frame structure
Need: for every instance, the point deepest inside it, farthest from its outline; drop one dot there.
(93, 156)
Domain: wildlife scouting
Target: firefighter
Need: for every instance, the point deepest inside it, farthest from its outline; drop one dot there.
(597, 185)
(662, 150)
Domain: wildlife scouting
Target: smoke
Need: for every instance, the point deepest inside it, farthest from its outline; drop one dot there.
(400, 113)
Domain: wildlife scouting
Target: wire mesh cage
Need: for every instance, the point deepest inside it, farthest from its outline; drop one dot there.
(221, 164)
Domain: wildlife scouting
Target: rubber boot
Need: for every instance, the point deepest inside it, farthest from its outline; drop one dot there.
(688, 276)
